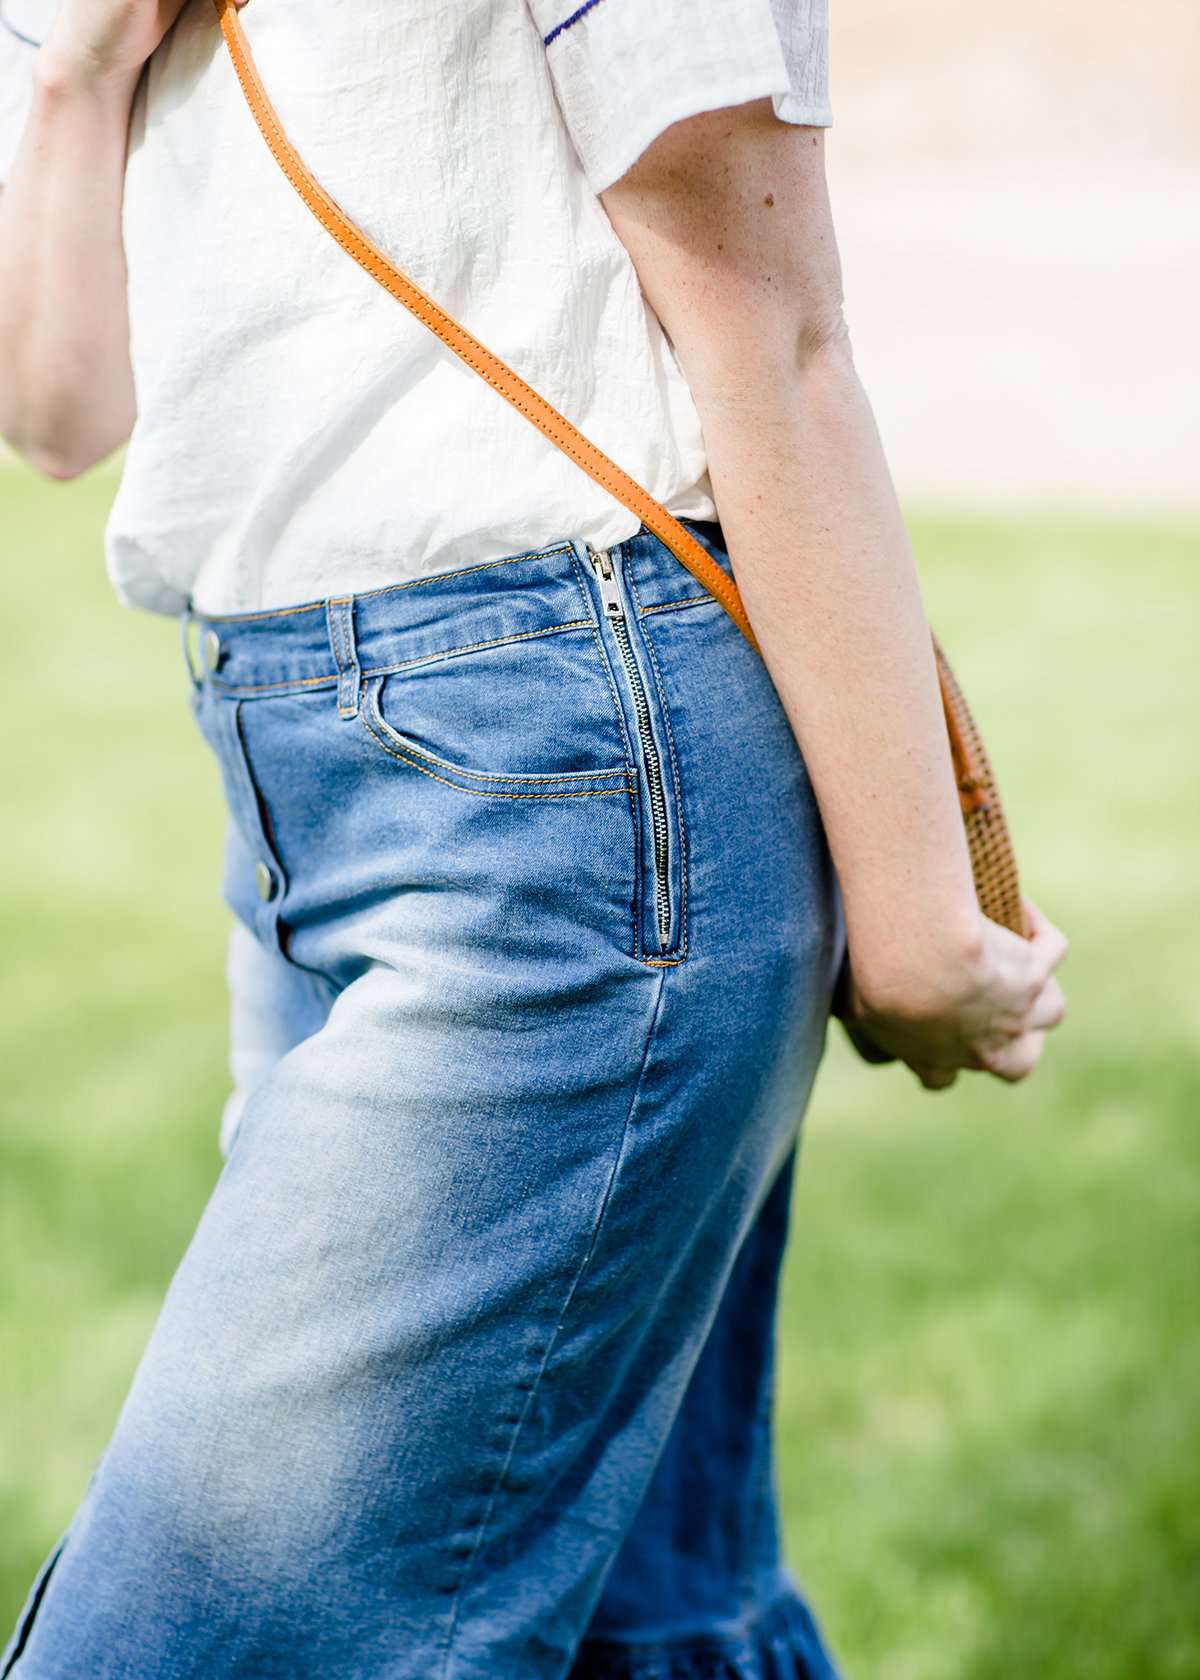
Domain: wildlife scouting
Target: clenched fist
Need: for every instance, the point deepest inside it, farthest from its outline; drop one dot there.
(108, 40)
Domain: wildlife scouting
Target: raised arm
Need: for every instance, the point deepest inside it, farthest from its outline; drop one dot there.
(726, 217)
(66, 391)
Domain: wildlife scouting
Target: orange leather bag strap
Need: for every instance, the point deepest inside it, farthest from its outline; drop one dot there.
(509, 384)
(498, 374)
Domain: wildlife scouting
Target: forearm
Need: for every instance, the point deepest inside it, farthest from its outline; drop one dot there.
(823, 562)
(66, 390)
(727, 219)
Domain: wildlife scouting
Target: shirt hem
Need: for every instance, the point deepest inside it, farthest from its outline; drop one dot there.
(610, 165)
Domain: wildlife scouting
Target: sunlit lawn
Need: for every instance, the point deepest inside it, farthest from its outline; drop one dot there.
(990, 1406)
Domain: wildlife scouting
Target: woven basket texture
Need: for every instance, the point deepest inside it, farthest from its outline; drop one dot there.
(993, 860)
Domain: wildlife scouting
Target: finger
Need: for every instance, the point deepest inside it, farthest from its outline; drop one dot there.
(935, 1079)
(1050, 942)
(1039, 924)
(1033, 916)
(1017, 1059)
(1050, 1007)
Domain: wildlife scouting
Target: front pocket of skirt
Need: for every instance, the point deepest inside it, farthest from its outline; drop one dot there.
(415, 753)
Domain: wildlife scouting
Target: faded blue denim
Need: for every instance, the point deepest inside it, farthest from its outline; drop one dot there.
(467, 1371)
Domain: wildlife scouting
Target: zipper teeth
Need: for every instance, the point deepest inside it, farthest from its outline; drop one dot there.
(658, 802)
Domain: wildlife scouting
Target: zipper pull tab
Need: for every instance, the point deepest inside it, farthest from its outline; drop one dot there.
(609, 594)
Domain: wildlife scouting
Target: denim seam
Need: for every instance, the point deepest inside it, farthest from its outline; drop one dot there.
(226, 687)
(24, 1628)
(682, 952)
(336, 628)
(483, 793)
(585, 599)
(634, 922)
(269, 912)
(556, 1335)
(280, 930)
(679, 601)
(488, 642)
(221, 685)
(346, 654)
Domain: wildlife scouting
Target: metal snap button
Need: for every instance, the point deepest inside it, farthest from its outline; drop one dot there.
(212, 649)
(264, 879)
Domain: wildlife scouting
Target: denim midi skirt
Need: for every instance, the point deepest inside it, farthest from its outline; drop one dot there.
(467, 1371)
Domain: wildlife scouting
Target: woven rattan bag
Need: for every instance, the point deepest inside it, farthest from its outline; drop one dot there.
(992, 860)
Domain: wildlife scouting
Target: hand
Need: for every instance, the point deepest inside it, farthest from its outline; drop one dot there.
(106, 41)
(990, 1015)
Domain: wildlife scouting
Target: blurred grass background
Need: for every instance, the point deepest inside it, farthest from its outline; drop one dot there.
(990, 1381)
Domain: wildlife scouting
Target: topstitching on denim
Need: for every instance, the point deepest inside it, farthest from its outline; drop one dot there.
(339, 618)
(681, 601)
(618, 772)
(330, 679)
(399, 747)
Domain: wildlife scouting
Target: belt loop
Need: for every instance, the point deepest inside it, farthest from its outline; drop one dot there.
(339, 614)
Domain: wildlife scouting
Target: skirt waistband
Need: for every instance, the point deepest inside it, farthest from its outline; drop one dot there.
(337, 640)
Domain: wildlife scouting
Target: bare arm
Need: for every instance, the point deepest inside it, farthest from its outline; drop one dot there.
(727, 220)
(66, 390)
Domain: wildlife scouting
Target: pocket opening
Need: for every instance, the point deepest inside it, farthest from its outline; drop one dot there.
(513, 784)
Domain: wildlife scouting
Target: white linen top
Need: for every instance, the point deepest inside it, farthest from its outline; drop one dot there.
(298, 433)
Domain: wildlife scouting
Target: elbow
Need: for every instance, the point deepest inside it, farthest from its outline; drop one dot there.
(62, 428)
(48, 464)
(777, 348)
(52, 456)
(821, 336)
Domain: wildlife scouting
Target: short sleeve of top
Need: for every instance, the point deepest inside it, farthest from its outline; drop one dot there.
(16, 87)
(624, 70)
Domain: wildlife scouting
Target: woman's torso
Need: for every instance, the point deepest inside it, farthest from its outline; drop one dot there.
(298, 433)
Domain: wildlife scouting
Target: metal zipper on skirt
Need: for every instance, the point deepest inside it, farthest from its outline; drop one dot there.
(614, 611)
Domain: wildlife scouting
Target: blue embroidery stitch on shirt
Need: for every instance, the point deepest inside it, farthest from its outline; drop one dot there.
(568, 21)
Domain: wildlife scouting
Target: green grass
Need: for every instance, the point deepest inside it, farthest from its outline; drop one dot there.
(991, 1359)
